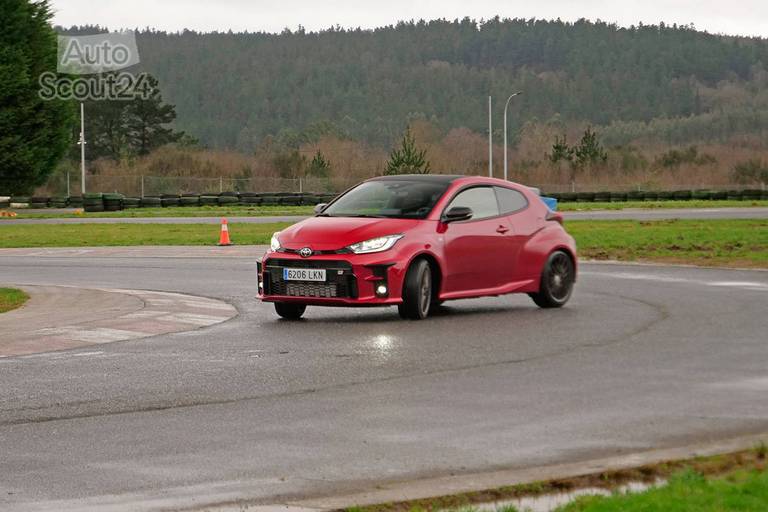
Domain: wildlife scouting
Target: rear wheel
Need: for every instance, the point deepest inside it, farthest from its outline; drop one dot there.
(290, 311)
(417, 291)
(556, 281)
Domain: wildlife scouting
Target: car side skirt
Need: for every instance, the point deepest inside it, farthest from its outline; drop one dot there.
(527, 285)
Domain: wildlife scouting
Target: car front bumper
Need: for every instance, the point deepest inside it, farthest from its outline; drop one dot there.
(351, 279)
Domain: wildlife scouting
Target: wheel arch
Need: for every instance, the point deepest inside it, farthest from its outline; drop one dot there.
(435, 266)
(571, 254)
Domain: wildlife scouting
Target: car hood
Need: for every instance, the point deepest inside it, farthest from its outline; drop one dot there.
(332, 233)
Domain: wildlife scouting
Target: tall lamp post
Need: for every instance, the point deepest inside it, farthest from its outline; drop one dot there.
(505, 131)
(81, 143)
(490, 139)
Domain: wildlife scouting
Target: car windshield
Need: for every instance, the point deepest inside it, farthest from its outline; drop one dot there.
(404, 199)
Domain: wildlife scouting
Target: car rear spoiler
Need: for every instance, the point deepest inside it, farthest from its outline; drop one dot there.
(554, 216)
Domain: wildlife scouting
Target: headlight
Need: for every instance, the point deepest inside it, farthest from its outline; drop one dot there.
(375, 244)
(275, 242)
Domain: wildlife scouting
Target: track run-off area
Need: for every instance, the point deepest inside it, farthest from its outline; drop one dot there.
(259, 410)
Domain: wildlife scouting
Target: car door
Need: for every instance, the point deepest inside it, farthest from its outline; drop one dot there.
(477, 250)
(514, 206)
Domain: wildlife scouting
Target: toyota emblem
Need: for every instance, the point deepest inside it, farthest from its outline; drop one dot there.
(305, 252)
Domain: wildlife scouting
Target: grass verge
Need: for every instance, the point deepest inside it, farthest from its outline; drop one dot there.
(721, 242)
(265, 211)
(649, 205)
(172, 211)
(11, 298)
(730, 474)
(93, 235)
(687, 491)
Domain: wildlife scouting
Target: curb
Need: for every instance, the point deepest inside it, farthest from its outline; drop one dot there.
(132, 315)
(475, 482)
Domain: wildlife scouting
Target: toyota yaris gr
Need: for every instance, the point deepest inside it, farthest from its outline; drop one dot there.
(415, 241)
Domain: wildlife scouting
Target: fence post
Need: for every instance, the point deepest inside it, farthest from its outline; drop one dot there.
(300, 187)
(221, 184)
(142, 186)
(68, 183)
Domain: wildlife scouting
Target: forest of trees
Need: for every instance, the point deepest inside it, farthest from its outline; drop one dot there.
(231, 90)
(603, 106)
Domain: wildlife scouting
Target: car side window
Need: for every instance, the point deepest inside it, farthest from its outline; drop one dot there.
(482, 201)
(510, 200)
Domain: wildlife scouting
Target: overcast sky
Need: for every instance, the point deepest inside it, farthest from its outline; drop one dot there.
(744, 17)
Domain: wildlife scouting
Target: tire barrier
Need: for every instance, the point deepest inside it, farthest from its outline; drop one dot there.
(97, 202)
(93, 202)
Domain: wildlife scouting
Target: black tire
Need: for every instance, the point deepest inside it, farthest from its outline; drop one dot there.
(436, 306)
(290, 311)
(417, 292)
(557, 281)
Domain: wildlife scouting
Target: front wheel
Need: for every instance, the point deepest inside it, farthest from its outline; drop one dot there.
(417, 291)
(557, 281)
(290, 311)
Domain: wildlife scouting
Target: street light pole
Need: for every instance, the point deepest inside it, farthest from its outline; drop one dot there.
(490, 140)
(505, 131)
(81, 142)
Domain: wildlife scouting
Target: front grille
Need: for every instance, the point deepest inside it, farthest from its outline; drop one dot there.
(300, 289)
(326, 264)
(340, 280)
(315, 252)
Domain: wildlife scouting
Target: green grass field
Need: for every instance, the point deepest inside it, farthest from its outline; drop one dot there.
(173, 211)
(261, 211)
(736, 481)
(11, 298)
(648, 205)
(92, 235)
(740, 491)
(738, 243)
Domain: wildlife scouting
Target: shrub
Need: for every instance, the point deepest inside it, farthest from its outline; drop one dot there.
(750, 172)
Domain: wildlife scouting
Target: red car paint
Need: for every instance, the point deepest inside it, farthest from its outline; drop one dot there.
(491, 256)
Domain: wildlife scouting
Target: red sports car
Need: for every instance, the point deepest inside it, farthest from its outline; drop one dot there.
(415, 241)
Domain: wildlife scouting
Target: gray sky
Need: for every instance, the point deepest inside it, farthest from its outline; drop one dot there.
(743, 17)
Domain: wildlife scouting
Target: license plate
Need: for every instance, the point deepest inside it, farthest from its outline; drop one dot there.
(304, 274)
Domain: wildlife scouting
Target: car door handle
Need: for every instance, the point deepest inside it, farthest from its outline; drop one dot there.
(502, 229)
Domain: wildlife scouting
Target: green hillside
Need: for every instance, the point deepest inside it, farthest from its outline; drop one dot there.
(670, 82)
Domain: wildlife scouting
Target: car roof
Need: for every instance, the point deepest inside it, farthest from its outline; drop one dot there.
(447, 179)
(430, 178)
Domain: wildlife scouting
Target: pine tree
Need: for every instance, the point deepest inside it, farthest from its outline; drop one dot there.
(408, 159)
(561, 151)
(146, 121)
(34, 133)
(319, 167)
(589, 152)
(119, 128)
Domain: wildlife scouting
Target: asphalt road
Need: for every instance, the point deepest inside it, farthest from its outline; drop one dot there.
(261, 409)
(637, 214)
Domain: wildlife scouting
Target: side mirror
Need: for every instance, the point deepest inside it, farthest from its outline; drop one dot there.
(320, 207)
(457, 213)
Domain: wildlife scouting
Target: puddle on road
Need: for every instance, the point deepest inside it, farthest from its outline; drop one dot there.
(549, 502)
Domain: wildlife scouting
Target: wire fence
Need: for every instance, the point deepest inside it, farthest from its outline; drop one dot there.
(143, 186)
(639, 187)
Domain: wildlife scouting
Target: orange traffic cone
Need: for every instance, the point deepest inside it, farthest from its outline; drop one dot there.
(224, 238)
